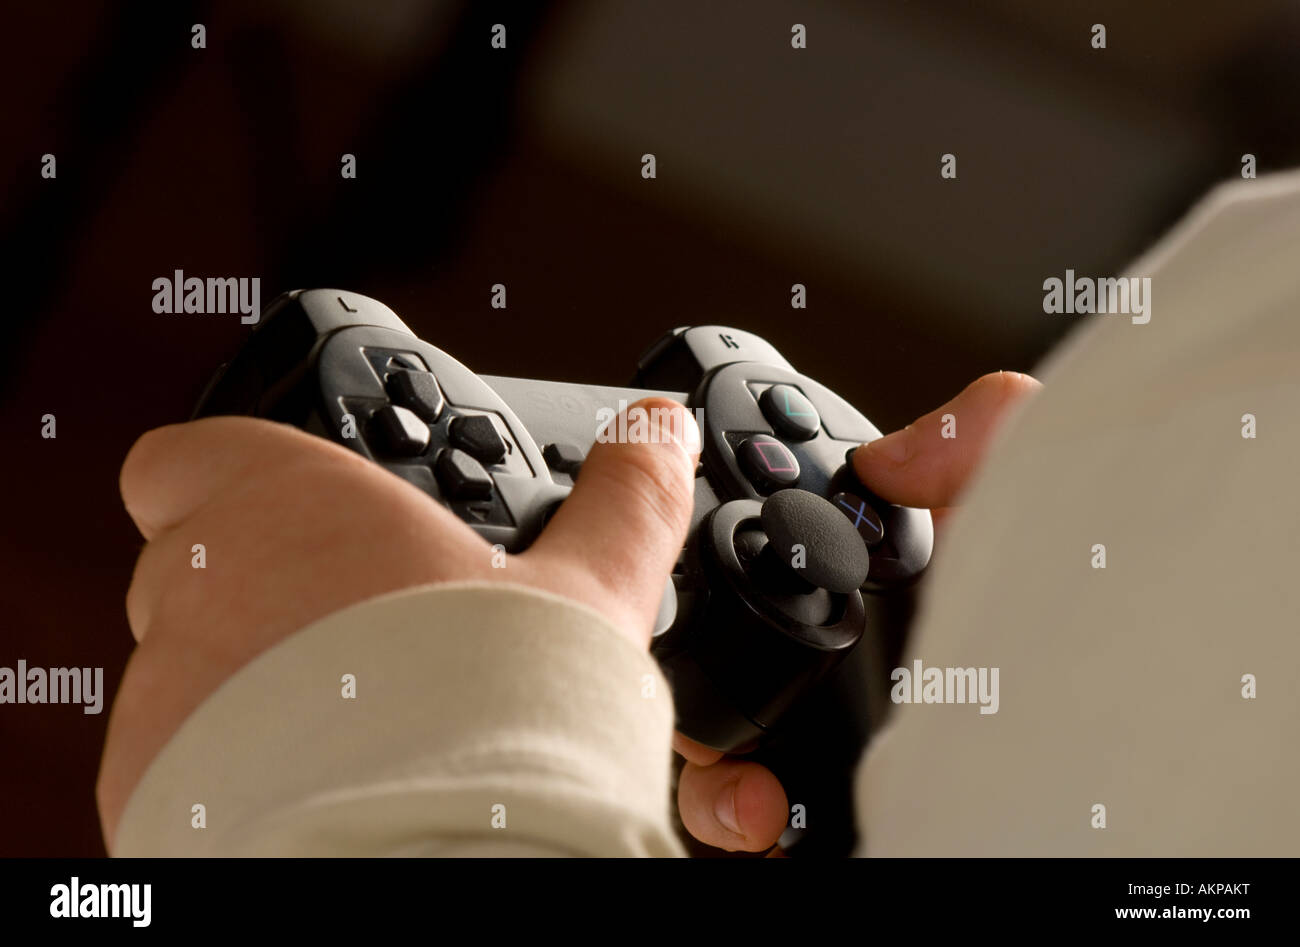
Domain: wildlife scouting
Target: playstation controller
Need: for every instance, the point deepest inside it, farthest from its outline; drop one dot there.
(788, 605)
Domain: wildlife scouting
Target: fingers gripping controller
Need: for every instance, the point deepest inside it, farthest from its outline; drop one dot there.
(789, 559)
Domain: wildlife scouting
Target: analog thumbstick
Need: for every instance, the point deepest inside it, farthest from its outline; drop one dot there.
(834, 557)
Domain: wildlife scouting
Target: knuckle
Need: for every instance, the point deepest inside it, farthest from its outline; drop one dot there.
(141, 459)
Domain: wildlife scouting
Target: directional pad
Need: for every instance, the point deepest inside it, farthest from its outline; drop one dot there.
(477, 436)
(402, 362)
(417, 391)
(461, 476)
(399, 431)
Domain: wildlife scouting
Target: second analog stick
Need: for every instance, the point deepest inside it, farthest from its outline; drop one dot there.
(815, 540)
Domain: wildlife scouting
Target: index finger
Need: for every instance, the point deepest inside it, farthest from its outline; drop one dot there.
(171, 471)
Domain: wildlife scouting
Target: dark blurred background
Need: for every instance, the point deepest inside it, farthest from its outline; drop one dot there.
(522, 166)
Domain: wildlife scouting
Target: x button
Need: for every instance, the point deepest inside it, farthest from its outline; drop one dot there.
(865, 519)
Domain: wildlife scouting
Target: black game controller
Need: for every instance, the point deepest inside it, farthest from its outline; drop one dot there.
(788, 606)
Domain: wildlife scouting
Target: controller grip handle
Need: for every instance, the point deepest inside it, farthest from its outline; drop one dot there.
(816, 750)
(815, 755)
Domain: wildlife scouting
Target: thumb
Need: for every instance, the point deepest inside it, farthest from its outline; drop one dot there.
(626, 520)
(927, 464)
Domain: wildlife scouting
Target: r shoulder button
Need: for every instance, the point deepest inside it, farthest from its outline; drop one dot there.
(768, 463)
(477, 436)
(399, 431)
(461, 476)
(789, 412)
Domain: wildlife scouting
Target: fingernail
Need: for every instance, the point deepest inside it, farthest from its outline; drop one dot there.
(725, 809)
(678, 427)
(893, 447)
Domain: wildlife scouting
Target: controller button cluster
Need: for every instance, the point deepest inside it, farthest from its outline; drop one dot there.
(477, 436)
(417, 391)
(790, 413)
(415, 425)
(860, 513)
(400, 431)
(461, 476)
(769, 463)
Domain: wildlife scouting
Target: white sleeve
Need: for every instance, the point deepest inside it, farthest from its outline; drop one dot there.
(1126, 686)
(488, 719)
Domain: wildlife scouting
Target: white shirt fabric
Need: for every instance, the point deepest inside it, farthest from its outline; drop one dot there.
(1122, 687)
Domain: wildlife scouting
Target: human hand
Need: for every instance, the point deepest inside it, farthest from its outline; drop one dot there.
(296, 527)
(737, 805)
